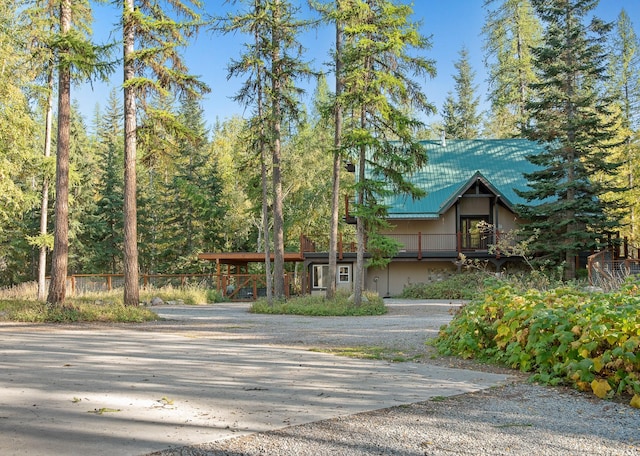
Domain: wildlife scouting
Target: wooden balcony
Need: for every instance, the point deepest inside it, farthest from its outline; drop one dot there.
(416, 245)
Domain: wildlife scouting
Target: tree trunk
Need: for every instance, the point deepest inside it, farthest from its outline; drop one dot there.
(131, 273)
(335, 192)
(278, 222)
(358, 278)
(44, 206)
(59, 260)
(263, 168)
(265, 226)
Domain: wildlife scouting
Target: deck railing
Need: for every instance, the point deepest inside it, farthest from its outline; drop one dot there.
(608, 271)
(420, 243)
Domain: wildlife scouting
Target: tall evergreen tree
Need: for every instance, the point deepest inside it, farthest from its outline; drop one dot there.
(76, 57)
(84, 167)
(59, 260)
(254, 93)
(273, 62)
(511, 29)
(574, 121)
(460, 114)
(107, 226)
(337, 162)
(195, 207)
(333, 13)
(379, 57)
(155, 68)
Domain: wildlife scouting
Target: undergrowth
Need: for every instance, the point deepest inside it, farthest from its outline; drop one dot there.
(465, 285)
(72, 311)
(19, 304)
(312, 305)
(590, 341)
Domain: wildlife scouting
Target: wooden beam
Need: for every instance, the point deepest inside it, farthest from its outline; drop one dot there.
(243, 258)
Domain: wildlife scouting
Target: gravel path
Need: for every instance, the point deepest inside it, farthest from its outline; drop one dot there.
(515, 419)
(518, 419)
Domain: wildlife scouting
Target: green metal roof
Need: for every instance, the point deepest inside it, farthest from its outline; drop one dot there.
(454, 166)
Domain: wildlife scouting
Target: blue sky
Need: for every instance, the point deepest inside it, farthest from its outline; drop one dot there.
(451, 24)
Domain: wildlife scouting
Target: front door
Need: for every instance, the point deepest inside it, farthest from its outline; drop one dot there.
(474, 237)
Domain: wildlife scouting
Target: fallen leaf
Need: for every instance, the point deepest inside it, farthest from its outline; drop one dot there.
(102, 410)
(600, 388)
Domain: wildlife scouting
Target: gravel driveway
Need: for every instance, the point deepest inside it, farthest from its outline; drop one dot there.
(515, 419)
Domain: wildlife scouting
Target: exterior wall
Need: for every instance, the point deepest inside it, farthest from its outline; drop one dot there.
(507, 220)
(473, 206)
(341, 285)
(504, 220)
(397, 275)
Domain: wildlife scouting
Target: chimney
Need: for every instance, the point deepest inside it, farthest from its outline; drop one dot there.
(443, 138)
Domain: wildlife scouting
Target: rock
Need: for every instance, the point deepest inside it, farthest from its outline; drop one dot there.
(157, 301)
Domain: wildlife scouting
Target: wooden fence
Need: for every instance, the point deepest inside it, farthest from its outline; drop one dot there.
(237, 287)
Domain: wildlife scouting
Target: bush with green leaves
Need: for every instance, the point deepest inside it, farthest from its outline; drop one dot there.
(563, 336)
(465, 285)
(314, 305)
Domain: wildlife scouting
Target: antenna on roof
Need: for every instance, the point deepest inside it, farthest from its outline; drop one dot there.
(443, 138)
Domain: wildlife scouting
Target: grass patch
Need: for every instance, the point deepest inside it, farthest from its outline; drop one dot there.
(19, 304)
(318, 306)
(189, 295)
(72, 311)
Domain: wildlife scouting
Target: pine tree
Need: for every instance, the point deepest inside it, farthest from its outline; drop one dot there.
(511, 29)
(573, 120)
(333, 12)
(381, 52)
(460, 114)
(76, 57)
(59, 260)
(274, 65)
(84, 167)
(155, 68)
(106, 230)
(194, 190)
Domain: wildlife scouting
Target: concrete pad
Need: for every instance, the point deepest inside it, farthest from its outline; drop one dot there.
(130, 391)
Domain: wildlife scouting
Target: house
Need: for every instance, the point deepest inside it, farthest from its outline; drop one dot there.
(470, 202)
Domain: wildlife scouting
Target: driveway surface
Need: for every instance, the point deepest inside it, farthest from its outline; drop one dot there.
(207, 373)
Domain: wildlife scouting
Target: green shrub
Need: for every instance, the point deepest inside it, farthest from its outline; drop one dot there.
(311, 305)
(562, 336)
(465, 285)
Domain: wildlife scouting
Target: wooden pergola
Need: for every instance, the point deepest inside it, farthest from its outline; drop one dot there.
(241, 260)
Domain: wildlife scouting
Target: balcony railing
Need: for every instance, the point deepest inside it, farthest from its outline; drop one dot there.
(419, 243)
